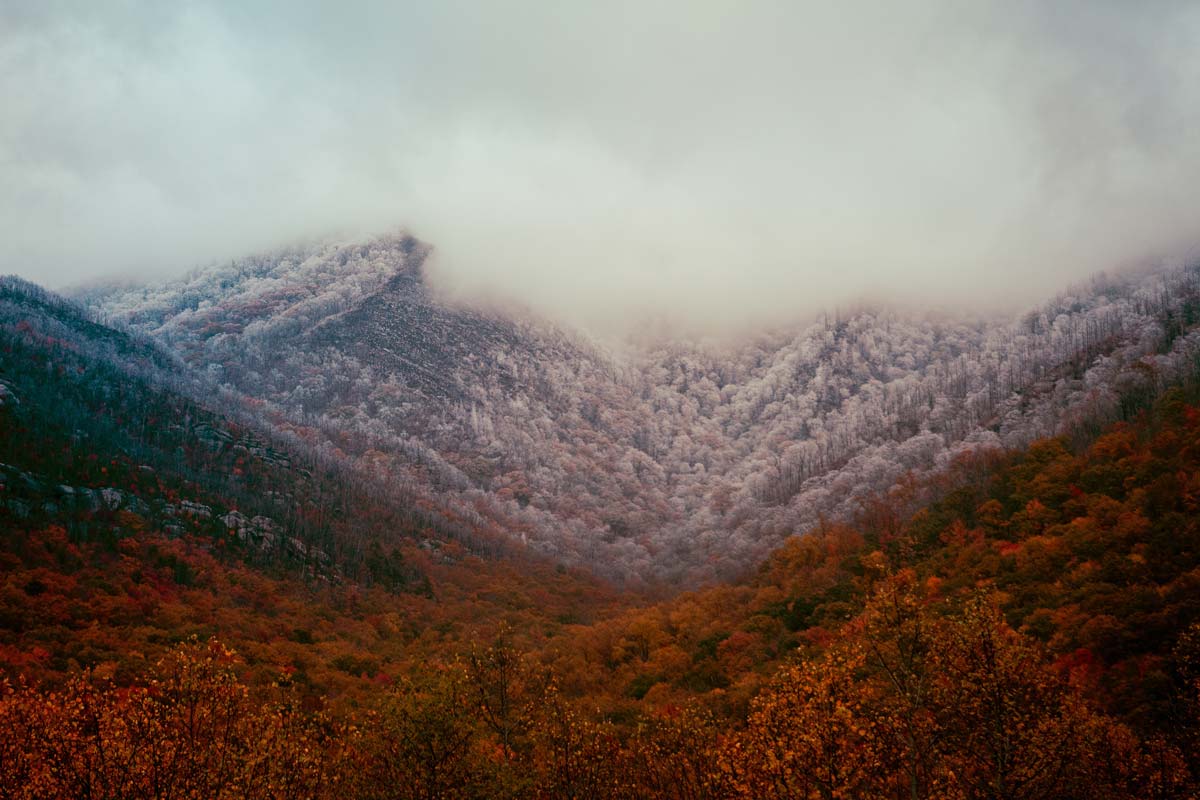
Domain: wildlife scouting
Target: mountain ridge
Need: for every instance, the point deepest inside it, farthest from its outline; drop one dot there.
(671, 461)
(140, 519)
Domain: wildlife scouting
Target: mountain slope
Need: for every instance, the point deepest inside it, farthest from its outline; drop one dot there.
(1062, 583)
(1037, 627)
(655, 460)
(134, 513)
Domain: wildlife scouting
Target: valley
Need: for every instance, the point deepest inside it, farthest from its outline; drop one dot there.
(651, 460)
(623, 401)
(304, 502)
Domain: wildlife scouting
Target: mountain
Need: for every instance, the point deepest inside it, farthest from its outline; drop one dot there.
(140, 505)
(206, 593)
(1035, 626)
(649, 460)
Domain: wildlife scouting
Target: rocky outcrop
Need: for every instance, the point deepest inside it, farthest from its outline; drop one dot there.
(25, 496)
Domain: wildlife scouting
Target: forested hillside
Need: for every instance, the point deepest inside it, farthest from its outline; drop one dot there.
(207, 593)
(134, 516)
(650, 459)
(577, 401)
(1035, 632)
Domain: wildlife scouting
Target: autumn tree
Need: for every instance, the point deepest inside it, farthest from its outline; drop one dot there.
(499, 683)
(812, 734)
(899, 633)
(574, 755)
(1011, 726)
(674, 754)
(193, 731)
(420, 745)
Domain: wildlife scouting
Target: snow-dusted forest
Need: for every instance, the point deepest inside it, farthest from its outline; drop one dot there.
(649, 458)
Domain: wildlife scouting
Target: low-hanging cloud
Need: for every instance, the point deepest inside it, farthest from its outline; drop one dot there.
(718, 162)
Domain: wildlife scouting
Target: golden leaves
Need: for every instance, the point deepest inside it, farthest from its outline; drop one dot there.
(192, 731)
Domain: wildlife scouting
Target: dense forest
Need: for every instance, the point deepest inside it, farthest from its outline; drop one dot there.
(577, 401)
(202, 603)
(649, 459)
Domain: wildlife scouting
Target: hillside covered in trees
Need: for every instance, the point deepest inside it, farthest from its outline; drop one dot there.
(649, 459)
(578, 401)
(216, 603)
(134, 515)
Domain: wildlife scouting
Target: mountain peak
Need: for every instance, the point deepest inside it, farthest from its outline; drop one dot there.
(301, 285)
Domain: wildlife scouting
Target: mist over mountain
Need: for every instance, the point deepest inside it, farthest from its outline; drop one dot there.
(658, 458)
(383, 600)
(762, 400)
(714, 163)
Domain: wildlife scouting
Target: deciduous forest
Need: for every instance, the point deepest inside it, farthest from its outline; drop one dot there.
(536, 400)
(195, 605)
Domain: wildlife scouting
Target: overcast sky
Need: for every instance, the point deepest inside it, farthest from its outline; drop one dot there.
(718, 160)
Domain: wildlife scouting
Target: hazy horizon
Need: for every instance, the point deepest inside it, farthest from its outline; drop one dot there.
(712, 163)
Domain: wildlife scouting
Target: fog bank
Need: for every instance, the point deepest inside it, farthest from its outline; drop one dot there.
(715, 162)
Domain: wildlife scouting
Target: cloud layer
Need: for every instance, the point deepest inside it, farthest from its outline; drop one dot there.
(720, 162)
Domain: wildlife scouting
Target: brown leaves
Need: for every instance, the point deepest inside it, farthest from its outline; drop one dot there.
(810, 735)
(914, 703)
(193, 731)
